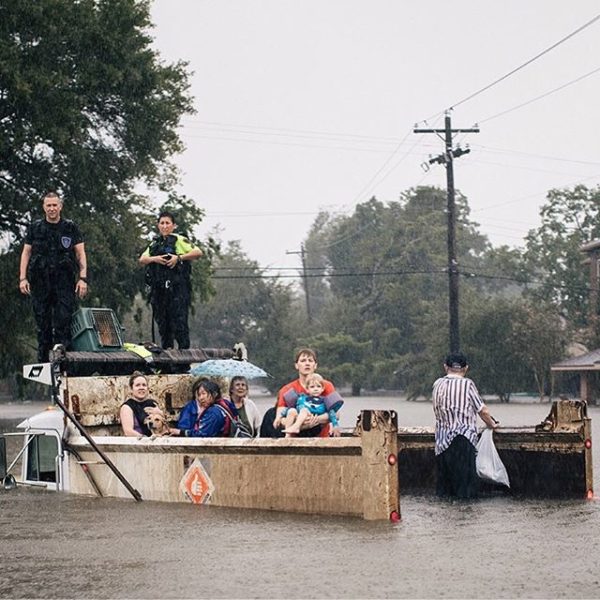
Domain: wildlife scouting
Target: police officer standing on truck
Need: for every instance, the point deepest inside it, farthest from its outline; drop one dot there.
(53, 271)
(168, 268)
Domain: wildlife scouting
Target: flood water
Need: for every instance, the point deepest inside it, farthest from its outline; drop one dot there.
(61, 546)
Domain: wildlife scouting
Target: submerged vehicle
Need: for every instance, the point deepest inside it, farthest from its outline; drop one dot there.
(76, 446)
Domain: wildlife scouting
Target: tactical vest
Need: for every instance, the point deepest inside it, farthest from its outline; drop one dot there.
(159, 277)
(53, 246)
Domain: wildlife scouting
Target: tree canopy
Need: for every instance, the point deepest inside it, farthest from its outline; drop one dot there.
(89, 109)
(570, 218)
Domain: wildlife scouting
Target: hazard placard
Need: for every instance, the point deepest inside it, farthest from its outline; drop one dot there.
(196, 485)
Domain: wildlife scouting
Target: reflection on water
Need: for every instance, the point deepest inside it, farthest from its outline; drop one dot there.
(55, 545)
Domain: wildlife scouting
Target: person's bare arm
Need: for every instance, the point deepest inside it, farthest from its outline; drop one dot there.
(487, 418)
(24, 286)
(278, 418)
(81, 287)
(126, 415)
(146, 259)
(193, 254)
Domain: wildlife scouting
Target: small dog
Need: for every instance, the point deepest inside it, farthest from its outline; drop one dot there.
(157, 424)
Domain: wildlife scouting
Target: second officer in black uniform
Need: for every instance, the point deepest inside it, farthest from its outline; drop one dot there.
(167, 260)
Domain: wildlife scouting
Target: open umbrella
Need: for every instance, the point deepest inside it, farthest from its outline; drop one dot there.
(228, 367)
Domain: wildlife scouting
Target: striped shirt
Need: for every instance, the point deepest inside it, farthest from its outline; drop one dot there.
(456, 404)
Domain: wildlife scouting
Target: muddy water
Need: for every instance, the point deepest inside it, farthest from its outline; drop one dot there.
(60, 546)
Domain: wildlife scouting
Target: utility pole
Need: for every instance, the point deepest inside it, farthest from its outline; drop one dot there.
(302, 254)
(447, 159)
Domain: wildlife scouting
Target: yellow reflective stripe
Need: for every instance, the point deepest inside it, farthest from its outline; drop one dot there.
(183, 245)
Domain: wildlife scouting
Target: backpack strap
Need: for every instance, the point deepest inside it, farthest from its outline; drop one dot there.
(237, 428)
(229, 418)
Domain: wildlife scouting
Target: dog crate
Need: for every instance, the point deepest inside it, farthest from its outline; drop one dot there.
(96, 330)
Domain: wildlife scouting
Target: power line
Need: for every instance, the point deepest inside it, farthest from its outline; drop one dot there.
(519, 167)
(545, 95)
(530, 154)
(280, 143)
(336, 274)
(301, 132)
(534, 195)
(408, 272)
(385, 164)
(575, 288)
(526, 63)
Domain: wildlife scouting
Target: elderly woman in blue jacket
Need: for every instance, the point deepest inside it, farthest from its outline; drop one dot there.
(208, 414)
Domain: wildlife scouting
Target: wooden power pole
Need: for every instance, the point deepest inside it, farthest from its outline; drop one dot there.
(302, 254)
(447, 159)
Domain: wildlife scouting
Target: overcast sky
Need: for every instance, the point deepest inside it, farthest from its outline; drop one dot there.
(309, 104)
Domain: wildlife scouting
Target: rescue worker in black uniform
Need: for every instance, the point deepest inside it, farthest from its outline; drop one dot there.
(53, 271)
(167, 260)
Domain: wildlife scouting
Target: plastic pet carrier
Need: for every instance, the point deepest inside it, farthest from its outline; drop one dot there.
(96, 330)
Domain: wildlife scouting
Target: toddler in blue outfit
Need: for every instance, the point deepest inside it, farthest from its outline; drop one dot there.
(312, 403)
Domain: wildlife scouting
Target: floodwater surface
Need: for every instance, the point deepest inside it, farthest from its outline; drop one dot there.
(55, 545)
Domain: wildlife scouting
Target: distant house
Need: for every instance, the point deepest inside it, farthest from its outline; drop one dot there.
(586, 366)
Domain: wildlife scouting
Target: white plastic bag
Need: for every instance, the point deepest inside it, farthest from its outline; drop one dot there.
(488, 463)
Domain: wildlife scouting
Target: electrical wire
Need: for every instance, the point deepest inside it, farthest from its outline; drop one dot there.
(408, 272)
(545, 95)
(530, 154)
(308, 133)
(280, 143)
(526, 63)
(385, 164)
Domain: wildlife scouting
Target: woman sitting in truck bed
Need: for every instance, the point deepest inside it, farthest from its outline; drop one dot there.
(208, 414)
(135, 409)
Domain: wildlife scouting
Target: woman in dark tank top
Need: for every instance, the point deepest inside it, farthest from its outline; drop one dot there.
(133, 410)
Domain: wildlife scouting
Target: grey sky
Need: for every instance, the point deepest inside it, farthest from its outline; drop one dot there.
(301, 103)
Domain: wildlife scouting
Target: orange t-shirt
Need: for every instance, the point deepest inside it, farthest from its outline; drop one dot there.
(297, 387)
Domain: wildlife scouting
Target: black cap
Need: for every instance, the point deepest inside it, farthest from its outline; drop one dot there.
(456, 360)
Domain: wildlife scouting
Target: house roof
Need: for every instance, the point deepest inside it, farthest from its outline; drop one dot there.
(585, 362)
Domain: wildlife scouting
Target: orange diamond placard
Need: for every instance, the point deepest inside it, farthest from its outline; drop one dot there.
(196, 485)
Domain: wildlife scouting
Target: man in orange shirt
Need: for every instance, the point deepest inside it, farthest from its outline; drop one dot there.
(306, 364)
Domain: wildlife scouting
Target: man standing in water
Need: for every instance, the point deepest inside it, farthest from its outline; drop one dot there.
(168, 260)
(53, 271)
(456, 404)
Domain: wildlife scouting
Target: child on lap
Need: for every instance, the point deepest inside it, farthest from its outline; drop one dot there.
(307, 405)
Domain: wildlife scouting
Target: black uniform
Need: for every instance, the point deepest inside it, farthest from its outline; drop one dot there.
(170, 294)
(52, 273)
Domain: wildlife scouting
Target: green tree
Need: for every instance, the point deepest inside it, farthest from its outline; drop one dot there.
(540, 337)
(342, 359)
(492, 342)
(249, 307)
(387, 273)
(88, 108)
(570, 218)
(238, 305)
